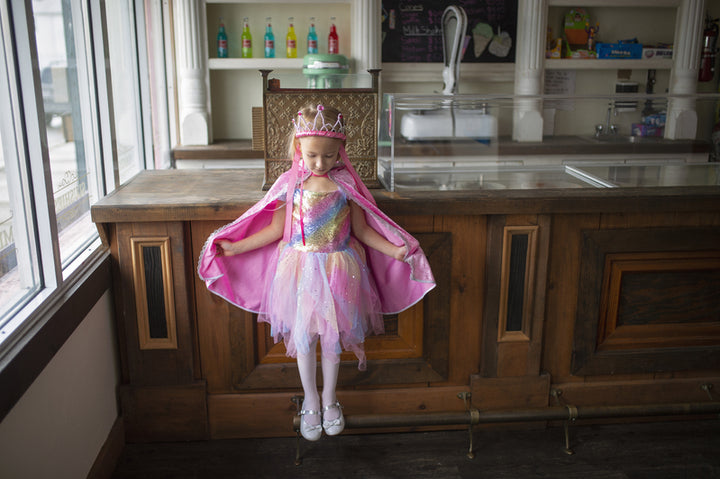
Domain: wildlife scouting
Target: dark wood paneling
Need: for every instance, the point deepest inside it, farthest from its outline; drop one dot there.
(165, 413)
(515, 350)
(418, 352)
(670, 291)
(157, 366)
(271, 414)
(440, 346)
(603, 347)
(506, 393)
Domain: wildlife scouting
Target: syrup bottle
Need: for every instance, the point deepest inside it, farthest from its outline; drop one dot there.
(312, 41)
(269, 40)
(333, 42)
(291, 40)
(246, 38)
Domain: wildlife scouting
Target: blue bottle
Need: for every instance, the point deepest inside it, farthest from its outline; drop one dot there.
(269, 40)
(312, 41)
(222, 43)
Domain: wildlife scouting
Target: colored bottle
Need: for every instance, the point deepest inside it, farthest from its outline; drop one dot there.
(222, 44)
(246, 38)
(291, 40)
(312, 42)
(333, 43)
(269, 40)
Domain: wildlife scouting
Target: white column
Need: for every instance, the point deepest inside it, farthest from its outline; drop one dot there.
(682, 116)
(529, 62)
(191, 63)
(365, 37)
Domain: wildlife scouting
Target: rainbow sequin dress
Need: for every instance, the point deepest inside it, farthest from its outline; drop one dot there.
(322, 286)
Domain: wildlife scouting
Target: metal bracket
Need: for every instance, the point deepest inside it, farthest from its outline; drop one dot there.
(296, 426)
(572, 417)
(707, 387)
(474, 419)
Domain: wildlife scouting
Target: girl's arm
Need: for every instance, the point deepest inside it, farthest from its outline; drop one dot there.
(265, 236)
(362, 231)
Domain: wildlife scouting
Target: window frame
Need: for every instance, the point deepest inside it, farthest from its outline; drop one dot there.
(38, 328)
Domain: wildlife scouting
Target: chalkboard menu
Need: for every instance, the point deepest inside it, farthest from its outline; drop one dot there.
(412, 30)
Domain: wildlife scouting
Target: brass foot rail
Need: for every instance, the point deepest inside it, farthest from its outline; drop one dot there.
(472, 417)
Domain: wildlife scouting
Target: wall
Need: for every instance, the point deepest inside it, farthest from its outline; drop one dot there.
(59, 425)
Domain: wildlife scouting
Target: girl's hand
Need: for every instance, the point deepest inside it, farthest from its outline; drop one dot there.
(224, 248)
(400, 253)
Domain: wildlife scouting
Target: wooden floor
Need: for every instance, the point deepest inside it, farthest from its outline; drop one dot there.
(679, 449)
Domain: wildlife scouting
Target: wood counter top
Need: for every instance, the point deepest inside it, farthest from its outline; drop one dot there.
(210, 194)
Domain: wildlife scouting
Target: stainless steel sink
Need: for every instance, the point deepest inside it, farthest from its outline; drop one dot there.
(620, 139)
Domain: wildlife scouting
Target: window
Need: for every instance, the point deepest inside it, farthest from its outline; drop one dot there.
(69, 134)
(69, 120)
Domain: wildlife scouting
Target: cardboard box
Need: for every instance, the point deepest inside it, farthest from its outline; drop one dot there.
(632, 51)
(657, 53)
(639, 129)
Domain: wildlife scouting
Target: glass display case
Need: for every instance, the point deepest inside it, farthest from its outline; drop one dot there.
(461, 142)
(652, 175)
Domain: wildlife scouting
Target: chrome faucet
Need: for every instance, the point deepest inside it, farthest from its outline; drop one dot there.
(608, 128)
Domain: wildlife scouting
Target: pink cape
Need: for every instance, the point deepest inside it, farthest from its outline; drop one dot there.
(240, 279)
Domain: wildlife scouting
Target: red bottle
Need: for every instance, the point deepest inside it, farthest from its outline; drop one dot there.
(706, 71)
(333, 43)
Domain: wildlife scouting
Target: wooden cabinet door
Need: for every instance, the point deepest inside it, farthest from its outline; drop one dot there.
(238, 354)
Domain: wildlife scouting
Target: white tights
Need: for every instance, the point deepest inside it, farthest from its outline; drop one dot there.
(307, 366)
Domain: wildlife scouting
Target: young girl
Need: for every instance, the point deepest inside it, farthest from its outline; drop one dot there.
(318, 261)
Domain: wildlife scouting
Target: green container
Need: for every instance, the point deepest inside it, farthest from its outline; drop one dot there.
(325, 70)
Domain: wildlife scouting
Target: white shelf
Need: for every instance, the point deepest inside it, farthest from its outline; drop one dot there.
(610, 64)
(255, 63)
(615, 3)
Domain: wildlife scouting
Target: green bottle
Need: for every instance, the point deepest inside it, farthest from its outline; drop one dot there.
(246, 39)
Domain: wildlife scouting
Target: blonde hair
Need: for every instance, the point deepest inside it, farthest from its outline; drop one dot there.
(311, 111)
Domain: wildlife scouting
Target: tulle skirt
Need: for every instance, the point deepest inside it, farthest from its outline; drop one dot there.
(330, 296)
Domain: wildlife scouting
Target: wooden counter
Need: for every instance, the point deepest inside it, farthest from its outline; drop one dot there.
(610, 295)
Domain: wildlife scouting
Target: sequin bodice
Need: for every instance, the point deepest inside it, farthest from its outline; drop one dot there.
(325, 221)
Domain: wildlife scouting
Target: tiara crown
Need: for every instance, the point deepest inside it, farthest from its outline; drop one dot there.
(318, 126)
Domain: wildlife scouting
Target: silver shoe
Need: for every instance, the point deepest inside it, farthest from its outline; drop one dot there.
(311, 433)
(334, 426)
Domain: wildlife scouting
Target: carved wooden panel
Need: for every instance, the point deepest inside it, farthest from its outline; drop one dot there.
(154, 295)
(517, 252)
(359, 110)
(517, 281)
(358, 106)
(414, 348)
(666, 300)
(648, 300)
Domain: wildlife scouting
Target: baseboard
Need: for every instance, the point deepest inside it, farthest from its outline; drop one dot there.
(109, 454)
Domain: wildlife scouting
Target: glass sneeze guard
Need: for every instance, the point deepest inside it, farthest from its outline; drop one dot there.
(460, 142)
